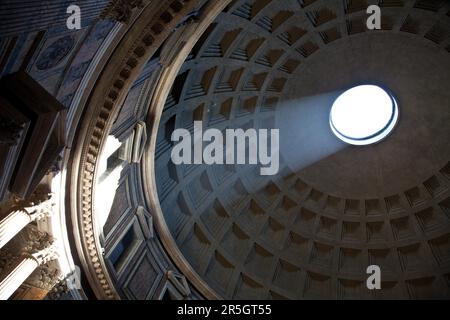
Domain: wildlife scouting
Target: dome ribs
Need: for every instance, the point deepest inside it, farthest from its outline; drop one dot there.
(352, 6)
(244, 11)
(285, 237)
(215, 217)
(350, 261)
(292, 35)
(330, 35)
(272, 24)
(255, 82)
(321, 16)
(307, 48)
(229, 80)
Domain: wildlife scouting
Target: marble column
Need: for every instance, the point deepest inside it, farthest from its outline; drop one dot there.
(27, 263)
(19, 218)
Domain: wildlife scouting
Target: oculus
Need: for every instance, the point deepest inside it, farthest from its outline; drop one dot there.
(364, 115)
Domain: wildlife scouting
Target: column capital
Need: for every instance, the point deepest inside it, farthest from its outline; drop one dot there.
(46, 255)
(38, 206)
(40, 211)
(45, 278)
(40, 246)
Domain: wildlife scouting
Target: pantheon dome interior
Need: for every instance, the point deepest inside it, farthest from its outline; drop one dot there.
(354, 93)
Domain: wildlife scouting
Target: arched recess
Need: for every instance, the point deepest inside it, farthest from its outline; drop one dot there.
(150, 28)
(183, 41)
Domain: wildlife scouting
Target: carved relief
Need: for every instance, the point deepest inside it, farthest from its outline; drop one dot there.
(121, 10)
(63, 285)
(39, 205)
(33, 244)
(179, 282)
(40, 211)
(45, 277)
(39, 246)
(7, 260)
(55, 53)
(58, 290)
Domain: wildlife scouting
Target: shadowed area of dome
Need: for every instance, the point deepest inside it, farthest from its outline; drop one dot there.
(312, 230)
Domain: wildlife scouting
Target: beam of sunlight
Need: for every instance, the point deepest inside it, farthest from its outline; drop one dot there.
(305, 133)
(109, 173)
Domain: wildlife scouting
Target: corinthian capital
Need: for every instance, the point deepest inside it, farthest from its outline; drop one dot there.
(46, 255)
(38, 206)
(40, 246)
(40, 211)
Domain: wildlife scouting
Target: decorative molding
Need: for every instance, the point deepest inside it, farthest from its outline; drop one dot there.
(45, 277)
(40, 195)
(23, 215)
(39, 249)
(122, 10)
(58, 290)
(139, 141)
(150, 29)
(184, 40)
(179, 282)
(145, 221)
(39, 246)
(42, 138)
(64, 285)
(134, 146)
(42, 210)
(55, 53)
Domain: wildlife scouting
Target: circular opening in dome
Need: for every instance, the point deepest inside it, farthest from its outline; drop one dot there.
(363, 115)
